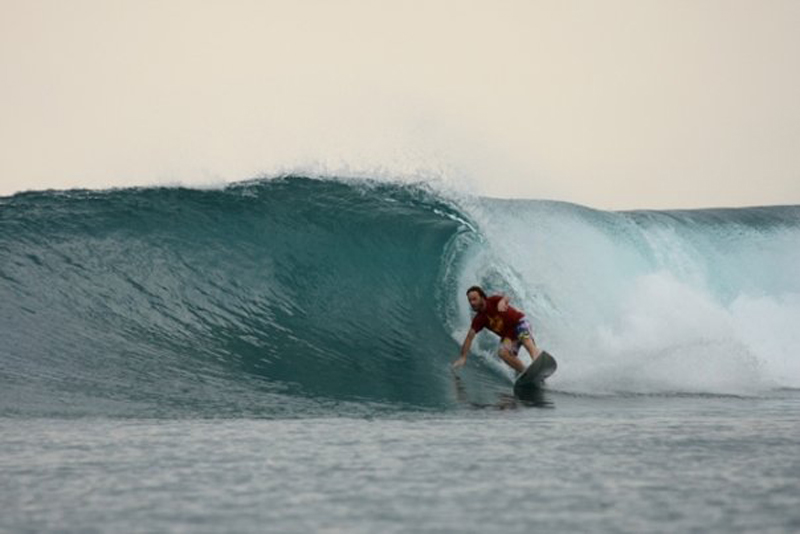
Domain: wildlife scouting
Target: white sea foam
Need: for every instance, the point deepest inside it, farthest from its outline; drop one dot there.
(695, 302)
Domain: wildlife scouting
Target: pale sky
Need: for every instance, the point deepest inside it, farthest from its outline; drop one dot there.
(612, 104)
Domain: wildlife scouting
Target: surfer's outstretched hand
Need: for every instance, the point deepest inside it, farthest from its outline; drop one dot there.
(458, 363)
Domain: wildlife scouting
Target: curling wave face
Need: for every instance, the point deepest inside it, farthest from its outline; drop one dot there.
(251, 298)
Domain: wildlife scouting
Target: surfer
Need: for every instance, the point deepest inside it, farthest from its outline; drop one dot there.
(504, 320)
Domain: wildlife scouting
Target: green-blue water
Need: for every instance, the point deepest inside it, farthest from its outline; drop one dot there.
(274, 356)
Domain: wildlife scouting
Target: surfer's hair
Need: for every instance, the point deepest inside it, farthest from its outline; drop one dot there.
(478, 290)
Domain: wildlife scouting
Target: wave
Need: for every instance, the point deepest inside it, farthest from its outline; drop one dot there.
(286, 297)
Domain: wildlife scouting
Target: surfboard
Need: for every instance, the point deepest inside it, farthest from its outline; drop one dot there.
(533, 377)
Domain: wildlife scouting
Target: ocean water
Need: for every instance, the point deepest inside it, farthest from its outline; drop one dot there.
(274, 356)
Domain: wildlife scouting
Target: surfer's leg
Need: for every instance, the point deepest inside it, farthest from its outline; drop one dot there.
(532, 349)
(509, 355)
(526, 339)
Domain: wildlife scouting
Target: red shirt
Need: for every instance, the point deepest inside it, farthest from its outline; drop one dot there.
(503, 324)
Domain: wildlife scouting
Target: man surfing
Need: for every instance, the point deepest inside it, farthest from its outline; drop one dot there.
(506, 321)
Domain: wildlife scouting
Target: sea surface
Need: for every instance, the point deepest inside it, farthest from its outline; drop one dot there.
(273, 356)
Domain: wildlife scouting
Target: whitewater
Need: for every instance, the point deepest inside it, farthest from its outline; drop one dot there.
(225, 358)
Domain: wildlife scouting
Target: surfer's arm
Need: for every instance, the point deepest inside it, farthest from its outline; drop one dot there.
(465, 349)
(502, 304)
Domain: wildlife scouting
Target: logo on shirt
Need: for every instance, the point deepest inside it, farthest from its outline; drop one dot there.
(496, 323)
